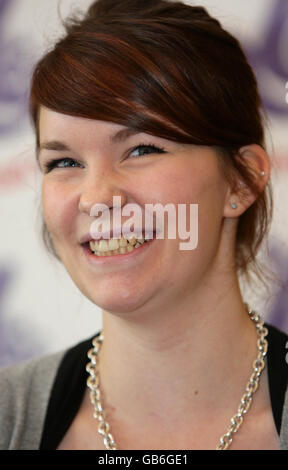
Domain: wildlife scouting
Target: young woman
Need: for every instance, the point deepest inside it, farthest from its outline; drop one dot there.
(153, 102)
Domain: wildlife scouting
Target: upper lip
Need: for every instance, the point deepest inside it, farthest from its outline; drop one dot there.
(109, 234)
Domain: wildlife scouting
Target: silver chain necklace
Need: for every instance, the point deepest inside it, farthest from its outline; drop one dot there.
(93, 382)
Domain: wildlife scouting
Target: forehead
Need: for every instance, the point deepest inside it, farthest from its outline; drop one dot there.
(86, 133)
(57, 130)
(52, 123)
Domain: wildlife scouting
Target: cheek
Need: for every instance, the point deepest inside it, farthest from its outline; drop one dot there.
(196, 184)
(57, 209)
(189, 183)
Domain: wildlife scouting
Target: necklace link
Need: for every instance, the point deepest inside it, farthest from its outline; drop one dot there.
(93, 382)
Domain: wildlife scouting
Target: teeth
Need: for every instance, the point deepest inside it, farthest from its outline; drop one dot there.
(102, 246)
(116, 246)
(92, 245)
(123, 242)
(113, 244)
(132, 241)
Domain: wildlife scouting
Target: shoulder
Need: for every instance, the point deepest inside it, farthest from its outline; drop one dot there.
(278, 380)
(277, 356)
(276, 333)
(284, 426)
(72, 370)
(24, 394)
(24, 370)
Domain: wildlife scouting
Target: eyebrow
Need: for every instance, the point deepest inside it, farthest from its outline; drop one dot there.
(53, 145)
(124, 134)
(59, 146)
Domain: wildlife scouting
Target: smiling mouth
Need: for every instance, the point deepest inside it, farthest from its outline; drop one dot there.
(115, 246)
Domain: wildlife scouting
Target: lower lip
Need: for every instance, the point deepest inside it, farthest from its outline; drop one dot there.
(115, 259)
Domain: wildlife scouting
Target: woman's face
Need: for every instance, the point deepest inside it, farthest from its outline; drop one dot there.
(91, 168)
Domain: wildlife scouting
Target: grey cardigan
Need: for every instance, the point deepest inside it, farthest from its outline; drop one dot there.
(24, 395)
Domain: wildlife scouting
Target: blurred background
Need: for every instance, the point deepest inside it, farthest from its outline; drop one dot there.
(41, 310)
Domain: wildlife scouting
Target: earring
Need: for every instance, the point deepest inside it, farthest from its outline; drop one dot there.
(234, 205)
(262, 173)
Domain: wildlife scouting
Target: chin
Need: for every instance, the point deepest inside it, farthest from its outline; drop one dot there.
(115, 299)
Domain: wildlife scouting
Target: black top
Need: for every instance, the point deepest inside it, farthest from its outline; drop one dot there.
(65, 401)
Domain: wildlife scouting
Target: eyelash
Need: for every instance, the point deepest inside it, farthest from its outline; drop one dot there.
(50, 164)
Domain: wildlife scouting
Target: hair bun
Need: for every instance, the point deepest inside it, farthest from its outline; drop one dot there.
(119, 8)
(122, 9)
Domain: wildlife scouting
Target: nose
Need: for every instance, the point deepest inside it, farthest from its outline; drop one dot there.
(99, 190)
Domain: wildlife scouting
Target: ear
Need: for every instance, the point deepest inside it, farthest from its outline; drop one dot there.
(241, 197)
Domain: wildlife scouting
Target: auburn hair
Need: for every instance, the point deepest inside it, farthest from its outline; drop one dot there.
(168, 69)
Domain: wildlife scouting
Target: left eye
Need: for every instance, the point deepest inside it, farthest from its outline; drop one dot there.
(68, 162)
(146, 148)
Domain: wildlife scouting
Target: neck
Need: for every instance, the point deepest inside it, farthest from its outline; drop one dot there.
(171, 358)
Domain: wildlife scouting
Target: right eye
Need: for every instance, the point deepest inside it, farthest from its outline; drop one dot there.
(67, 163)
(145, 147)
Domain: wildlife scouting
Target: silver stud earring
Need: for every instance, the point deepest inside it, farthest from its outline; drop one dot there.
(262, 173)
(234, 205)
